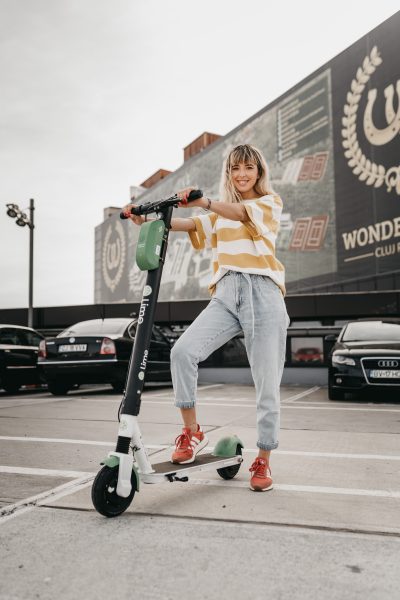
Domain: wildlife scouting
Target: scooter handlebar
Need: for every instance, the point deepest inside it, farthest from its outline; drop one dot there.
(150, 207)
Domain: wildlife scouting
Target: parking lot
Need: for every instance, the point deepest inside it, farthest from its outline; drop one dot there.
(330, 528)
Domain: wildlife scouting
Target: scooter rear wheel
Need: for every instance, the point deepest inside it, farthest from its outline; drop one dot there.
(104, 493)
(230, 472)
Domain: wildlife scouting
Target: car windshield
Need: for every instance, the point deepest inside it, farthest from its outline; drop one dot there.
(95, 327)
(372, 331)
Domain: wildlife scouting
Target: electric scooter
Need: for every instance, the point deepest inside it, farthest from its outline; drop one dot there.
(115, 485)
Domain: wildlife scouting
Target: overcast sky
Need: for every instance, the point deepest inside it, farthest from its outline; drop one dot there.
(96, 95)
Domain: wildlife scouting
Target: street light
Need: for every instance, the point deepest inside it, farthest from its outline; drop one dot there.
(14, 212)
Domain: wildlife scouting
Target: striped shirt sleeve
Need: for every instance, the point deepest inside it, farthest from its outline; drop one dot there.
(264, 216)
(201, 237)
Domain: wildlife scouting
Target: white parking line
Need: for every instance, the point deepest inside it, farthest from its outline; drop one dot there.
(348, 408)
(348, 404)
(301, 394)
(20, 402)
(201, 404)
(55, 440)
(199, 389)
(211, 399)
(336, 455)
(23, 506)
(28, 504)
(284, 406)
(310, 489)
(209, 449)
(43, 472)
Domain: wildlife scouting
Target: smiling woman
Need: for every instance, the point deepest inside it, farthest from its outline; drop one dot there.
(247, 291)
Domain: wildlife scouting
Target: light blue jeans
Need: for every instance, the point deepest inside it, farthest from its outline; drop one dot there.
(253, 304)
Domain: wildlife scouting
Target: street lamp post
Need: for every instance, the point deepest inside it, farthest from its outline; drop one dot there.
(14, 212)
(31, 230)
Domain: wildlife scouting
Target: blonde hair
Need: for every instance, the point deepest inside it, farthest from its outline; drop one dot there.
(244, 153)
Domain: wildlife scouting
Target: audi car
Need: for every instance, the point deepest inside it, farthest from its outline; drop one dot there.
(98, 351)
(19, 348)
(366, 356)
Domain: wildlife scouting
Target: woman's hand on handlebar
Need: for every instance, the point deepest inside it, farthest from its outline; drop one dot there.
(183, 194)
(137, 219)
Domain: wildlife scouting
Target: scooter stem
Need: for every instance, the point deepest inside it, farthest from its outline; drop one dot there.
(130, 405)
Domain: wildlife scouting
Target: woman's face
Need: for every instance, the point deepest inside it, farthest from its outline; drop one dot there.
(244, 177)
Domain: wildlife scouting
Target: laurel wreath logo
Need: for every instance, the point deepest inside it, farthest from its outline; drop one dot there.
(365, 169)
(112, 283)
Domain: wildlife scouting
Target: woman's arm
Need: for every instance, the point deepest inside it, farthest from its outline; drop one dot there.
(182, 225)
(228, 210)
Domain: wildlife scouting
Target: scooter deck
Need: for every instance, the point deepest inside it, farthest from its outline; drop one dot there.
(168, 471)
(201, 459)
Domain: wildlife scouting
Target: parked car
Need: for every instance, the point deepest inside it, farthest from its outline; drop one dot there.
(19, 348)
(308, 355)
(98, 351)
(366, 356)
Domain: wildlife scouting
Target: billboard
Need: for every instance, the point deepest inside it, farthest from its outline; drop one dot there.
(366, 105)
(333, 148)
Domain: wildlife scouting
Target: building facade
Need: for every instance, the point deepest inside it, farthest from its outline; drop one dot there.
(332, 143)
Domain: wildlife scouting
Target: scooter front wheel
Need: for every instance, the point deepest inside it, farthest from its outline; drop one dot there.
(104, 492)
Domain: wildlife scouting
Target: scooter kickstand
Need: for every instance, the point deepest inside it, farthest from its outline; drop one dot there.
(172, 477)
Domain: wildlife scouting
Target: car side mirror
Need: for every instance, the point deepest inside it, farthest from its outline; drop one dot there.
(331, 338)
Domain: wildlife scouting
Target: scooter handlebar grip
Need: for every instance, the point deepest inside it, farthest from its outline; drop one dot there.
(194, 195)
(133, 211)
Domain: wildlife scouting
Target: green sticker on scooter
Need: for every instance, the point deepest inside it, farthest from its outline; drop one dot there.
(149, 245)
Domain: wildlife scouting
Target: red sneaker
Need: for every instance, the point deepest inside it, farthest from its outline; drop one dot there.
(260, 481)
(187, 445)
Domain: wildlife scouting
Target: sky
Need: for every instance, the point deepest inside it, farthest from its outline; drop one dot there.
(97, 95)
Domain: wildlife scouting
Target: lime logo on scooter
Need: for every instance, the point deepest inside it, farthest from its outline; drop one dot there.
(143, 365)
(145, 302)
(147, 290)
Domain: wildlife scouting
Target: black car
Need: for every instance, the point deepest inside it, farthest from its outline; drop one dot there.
(98, 351)
(366, 356)
(19, 347)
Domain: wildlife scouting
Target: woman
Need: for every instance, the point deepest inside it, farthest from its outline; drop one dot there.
(247, 295)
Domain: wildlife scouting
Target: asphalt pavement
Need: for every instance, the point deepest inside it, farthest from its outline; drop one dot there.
(329, 529)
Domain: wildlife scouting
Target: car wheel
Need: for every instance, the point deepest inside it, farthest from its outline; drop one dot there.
(11, 387)
(58, 389)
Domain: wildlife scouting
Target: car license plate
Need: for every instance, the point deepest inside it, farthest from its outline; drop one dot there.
(382, 374)
(72, 348)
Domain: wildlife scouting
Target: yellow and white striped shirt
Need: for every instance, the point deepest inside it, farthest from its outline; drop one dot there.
(248, 247)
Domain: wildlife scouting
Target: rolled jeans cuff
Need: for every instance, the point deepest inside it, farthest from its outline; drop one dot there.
(263, 446)
(179, 404)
